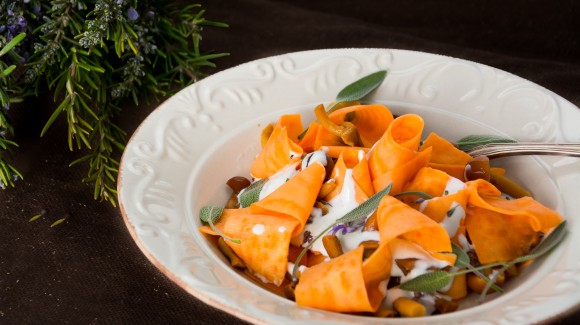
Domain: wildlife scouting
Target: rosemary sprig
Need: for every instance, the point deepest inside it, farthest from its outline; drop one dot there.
(92, 55)
(8, 173)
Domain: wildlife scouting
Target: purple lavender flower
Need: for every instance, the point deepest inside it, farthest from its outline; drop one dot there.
(348, 227)
(307, 237)
(132, 14)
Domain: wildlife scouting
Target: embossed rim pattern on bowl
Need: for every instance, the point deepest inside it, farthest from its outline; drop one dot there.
(169, 149)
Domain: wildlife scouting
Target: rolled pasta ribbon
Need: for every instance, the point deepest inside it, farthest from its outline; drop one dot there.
(293, 125)
(267, 226)
(264, 241)
(336, 151)
(283, 202)
(371, 122)
(501, 229)
(394, 158)
(346, 283)
(396, 219)
(356, 161)
(449, 198)
(307, 141)
(279, 151)
(445, 156)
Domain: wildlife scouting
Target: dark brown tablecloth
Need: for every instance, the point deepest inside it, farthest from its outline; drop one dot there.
(88, 270)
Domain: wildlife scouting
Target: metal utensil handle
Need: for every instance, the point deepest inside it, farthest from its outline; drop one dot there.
(497, 150)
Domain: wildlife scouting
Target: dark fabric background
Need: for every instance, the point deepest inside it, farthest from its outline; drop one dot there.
(88, 270)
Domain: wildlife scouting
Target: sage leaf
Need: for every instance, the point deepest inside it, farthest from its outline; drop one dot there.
(360, 88)
(361, 211)
(251, 194)
(427, 282)
(462, 257)
(463, 260)
(471, 141)
(422, 195)
(366, 208)
(546, 245)
(211, 215)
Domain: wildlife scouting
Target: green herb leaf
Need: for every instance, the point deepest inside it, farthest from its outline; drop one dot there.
(58, 222)
(437, 280)
(211, 215)
(12, 43)
(427, 282)
(471, 141)
(365, 209)
(360, 88)
(361, 211)
(6, 72)
(251, 194)
(462, 257)
(546, 245)
(35, 217)
(422, 195)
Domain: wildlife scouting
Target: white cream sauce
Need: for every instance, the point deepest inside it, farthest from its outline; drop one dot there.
(315, 156)
(456, 213)
(453, 186)
(396, 293)
(290, 268)
(278, 179)
(454, 216)
(352, 240)
(291, 170)
(464, 243)
(338, 206)
(424, 261)
(258, 229)
(263, 278)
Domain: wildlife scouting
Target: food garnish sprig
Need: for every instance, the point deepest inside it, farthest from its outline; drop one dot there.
(211, 215)
(437, 280)
(362, 211)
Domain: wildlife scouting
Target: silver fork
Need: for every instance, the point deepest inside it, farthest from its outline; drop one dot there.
(498, 150)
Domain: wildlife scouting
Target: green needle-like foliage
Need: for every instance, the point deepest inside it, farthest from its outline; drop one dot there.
(8, 173)
(92, 56)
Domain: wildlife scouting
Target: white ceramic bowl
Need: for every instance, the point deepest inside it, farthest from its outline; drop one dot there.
(179, 159)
